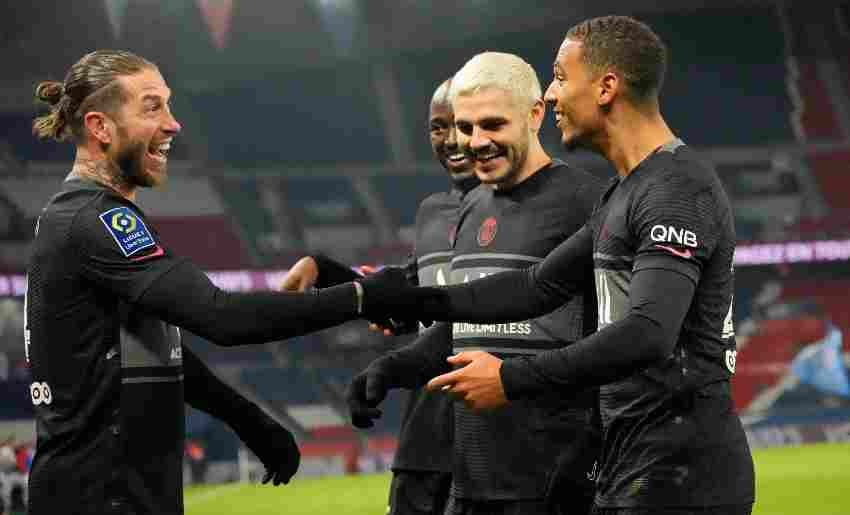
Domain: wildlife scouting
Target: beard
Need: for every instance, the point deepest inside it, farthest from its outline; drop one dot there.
(130, 161)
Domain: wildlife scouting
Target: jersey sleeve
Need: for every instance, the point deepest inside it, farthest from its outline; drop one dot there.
(118, 249)
(673, 219)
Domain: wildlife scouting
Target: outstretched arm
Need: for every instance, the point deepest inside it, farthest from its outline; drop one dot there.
(502, 297)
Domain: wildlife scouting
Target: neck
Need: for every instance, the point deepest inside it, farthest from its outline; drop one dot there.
(98, 168)
(536, 160)
(466, 184)
(632, 136)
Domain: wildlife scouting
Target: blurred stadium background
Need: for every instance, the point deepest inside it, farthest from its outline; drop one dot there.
(305, 129)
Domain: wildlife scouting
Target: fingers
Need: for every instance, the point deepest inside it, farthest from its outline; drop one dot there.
(364, 417)
(464, 358)
(366, 269)
(375, 391)
(446, 380)
(381, 328)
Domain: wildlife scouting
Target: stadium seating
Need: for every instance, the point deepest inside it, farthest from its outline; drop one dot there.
(832, 297)
(818, 119)
(832, 171)
(402, 194)
(766, 356)
(210, 241)
(326, 124)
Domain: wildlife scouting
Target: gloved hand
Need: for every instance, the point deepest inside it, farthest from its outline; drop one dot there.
(368, 389)
(388, 295)
(273, 444)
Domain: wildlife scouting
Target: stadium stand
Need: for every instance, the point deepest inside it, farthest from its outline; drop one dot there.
(832, 171)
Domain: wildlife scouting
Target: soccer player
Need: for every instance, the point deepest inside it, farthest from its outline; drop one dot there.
(660, 246)
(104, 302)
(423, 462)
(506, 462)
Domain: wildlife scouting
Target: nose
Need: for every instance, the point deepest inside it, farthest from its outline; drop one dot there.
(171, 126)
(549, 96)
(479, 140)
(451, 138)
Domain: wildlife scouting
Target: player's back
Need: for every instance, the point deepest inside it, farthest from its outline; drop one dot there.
(671, 435)
(100, 367)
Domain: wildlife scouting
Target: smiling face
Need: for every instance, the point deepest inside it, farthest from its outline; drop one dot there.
(575, 95)
(444, 142)
(143, 129)
(495, 132)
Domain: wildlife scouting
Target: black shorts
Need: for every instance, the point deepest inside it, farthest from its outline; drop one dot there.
(733, 509)
(457, 506)
(418, 492)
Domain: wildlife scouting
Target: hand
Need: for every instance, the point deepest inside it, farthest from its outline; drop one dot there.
(386, 327)
(273, 444)
(478, 384)
(366, 391)
(387, 293)
(301, 276)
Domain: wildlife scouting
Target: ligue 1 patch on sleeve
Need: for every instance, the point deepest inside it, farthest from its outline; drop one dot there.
(127, 229)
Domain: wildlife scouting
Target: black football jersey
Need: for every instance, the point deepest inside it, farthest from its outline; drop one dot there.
(425, 439)
(107, 377)
(671, 436)
(510, 453)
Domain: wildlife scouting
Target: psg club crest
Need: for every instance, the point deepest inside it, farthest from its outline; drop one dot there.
(487, 231)
(452, 234)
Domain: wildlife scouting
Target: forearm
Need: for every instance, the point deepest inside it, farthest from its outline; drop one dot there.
(203, 390)
(424, 358)
(331, 272)
(519, 294)
(647, 335)
(186, 298)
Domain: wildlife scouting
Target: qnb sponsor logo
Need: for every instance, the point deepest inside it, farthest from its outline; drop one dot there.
(669, 234)
(513, 328)
(40, 393)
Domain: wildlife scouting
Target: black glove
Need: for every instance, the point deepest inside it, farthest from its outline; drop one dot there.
(387, 294)
(273, 444)
(368, 389)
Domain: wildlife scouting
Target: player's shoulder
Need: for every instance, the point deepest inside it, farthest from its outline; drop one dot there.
(575, 177)
(678, 169)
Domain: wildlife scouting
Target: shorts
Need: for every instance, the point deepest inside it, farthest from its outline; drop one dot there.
(732, 509)
(457, 506)
(414, 492)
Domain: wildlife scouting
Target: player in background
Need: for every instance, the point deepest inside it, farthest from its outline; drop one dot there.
(105, 300)
(423, 462)
(660, 247)
(509, 461)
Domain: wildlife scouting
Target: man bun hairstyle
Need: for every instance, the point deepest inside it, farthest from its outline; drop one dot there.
(90, 85)
(628, 46)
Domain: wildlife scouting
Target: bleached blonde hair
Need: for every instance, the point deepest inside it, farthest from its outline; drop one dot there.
(500, 70)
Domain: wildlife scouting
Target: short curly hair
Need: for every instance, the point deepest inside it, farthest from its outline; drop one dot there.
(629, 47)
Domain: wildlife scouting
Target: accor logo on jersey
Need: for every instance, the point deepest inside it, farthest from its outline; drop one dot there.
(487, 231)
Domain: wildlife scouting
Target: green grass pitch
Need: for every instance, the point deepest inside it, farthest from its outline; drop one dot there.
(807, 480)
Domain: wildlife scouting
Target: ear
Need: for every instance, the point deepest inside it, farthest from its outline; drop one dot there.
(99, 127)
(609, 87)
(536, 115)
